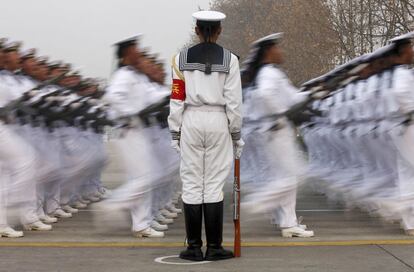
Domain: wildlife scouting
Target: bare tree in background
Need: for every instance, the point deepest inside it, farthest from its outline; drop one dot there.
(310, 44)
(364, 25)
(319, 34)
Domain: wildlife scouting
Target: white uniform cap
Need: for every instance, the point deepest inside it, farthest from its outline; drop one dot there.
(28, 53)
(55, 64)
(382, 51)
(74, 72)
(407, 36)
(209, 16)
(124, 43)
(255, 48)
(269, 38)
(66, 67)
(42, 59)
(2, 42)
(12, 45)
(129, 39)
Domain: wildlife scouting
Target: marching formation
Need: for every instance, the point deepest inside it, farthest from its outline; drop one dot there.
(355, 122)
(360, 145)
(53, 153)
(136, 92)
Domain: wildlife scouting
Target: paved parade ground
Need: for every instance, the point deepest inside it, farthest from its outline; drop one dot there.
(346, 240)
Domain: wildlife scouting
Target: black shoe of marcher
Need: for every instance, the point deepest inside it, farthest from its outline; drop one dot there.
(217, 254)
(192, 254)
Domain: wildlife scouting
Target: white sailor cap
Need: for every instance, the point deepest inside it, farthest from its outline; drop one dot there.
(256, 46)
(272, 38)
(383, 51)
(209, 16)
(129, 40)
(126, 42)
(66, 67)
(269, 39)
(55, 64)
(42, 60)
(358, 64)
(10, 46)
(353, 66)
(403, 38)
(74, 73)
(2, 42)
(28, 53)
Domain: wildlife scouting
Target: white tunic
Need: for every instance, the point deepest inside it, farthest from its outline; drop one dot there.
(127, 96)
(206, 109)
(216, 89)
(275, 94)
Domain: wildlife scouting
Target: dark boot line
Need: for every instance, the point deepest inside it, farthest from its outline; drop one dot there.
(213, 220)
(193, 224)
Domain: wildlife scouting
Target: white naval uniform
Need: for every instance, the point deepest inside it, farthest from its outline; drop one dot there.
(206, 115)
(167, 160)
(52, 155)
(404, 94)
(47, 166)
(275, 94)
(17, 161)
(127, 96)
(373, 165)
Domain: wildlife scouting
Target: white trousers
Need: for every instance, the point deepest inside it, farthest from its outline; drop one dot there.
(289, 168)
(18, 162)
(206, 154)
(3, 199)
(405, 184)
(139, 162)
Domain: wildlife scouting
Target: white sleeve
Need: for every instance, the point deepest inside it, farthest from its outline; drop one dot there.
(268, 95)
(177, 99)
(118, 91)
(293, 95)
(403, 89)
(233, 97)
(276, 92)
(155, 93)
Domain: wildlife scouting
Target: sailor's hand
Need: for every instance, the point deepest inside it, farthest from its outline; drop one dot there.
(176, 145)
(238, 148)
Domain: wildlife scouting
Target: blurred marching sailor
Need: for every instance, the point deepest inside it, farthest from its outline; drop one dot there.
(127, 97)
(269, 97)
(18, 157)
(167, 161)
(402, 88)
(369, 104)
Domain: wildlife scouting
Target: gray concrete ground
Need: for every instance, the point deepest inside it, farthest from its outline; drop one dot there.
(346, 240)
(294, 259)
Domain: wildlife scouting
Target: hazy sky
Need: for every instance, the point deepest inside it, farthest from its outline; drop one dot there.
(82, 32)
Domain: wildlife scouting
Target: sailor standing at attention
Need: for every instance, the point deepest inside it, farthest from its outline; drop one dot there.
(205, 122)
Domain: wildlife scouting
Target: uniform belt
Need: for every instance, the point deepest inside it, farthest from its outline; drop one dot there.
(206, 108)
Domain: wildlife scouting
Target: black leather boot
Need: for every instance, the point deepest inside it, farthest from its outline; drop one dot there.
(213, 220)
(193, 222)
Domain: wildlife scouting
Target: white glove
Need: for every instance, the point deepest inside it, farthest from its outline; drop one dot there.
(176, 145)
(238, 148)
